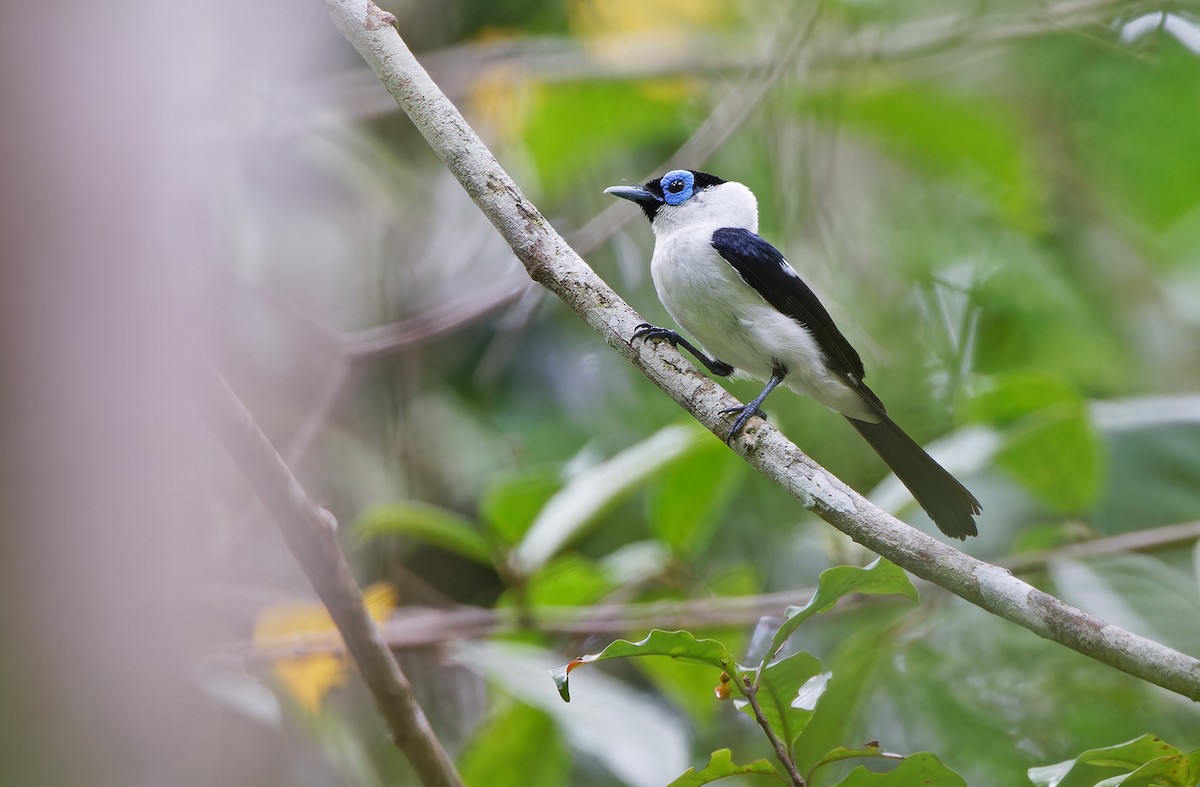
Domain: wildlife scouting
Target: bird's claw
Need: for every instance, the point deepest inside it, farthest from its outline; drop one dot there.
(745, 413)
(646, 331)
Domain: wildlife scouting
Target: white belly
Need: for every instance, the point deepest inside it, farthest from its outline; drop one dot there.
(731, 321)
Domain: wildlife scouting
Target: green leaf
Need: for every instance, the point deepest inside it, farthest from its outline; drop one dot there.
(689, 498)
(1153, 473)
(853, 665)
(780, 696)
(676, 644)
(880, 578)
(571, 124)
(1050, 446)
(841, 754)
(923, 769)
(510, 505)
(720, 765)
(1058, 457)
(568, 581)
(1010, 397)
(689, 686)
(594, 491)
(958, 135)
(1174, 771)
(621, 728)
(1144, 171)
(1096, 765)
(517, 747)
(429, 524)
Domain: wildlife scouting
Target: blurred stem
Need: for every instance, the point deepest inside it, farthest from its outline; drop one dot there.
(416, 627)
(311, 534)
(552, 263)
(1136, 541)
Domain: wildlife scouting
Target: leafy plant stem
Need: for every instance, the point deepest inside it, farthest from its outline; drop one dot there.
(750, 689)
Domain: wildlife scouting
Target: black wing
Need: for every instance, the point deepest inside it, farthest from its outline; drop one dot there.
(762, 267)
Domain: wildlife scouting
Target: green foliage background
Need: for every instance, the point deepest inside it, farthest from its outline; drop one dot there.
(1002, 215)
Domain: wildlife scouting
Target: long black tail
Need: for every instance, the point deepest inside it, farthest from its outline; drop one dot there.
(947, 502)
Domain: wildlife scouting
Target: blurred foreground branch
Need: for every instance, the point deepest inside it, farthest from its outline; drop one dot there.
(311, 534)
(552, 263)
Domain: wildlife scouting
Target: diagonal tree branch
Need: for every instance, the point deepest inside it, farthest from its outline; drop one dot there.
(311, 534)
(552, 263)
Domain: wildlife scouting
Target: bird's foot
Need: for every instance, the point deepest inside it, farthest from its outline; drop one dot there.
(745, 413)
(648, 332)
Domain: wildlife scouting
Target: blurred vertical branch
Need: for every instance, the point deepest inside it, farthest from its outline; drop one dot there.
(551, 262)
(311, 533)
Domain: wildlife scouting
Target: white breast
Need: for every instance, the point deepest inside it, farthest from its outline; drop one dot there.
(713, 305)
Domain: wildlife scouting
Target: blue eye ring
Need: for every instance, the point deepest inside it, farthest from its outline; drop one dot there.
(677, 186)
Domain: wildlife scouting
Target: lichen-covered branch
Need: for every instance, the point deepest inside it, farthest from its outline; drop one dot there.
(552, 263)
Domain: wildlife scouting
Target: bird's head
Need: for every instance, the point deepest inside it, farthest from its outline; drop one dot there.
(685, 197)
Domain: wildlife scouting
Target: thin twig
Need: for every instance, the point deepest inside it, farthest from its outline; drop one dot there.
(303, 437)
(1136, 541)
(430, 325)
(417, 627)
(781, 752)
(311, 534)
(552, 263)
(420, 627)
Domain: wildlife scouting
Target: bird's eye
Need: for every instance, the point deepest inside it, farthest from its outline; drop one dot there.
(676, 186)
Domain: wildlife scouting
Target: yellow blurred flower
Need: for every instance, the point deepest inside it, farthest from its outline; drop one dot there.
(624, 31)
(308, 677)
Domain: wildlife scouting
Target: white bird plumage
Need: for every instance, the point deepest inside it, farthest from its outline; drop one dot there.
(752, 314)
(709, 299)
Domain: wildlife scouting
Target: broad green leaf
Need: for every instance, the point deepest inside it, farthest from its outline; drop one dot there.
(1008, 398)
(689, 498)
(1153, 448)
(923, 769)
(629, 733)
(519, 746)
(676, 644)
(1058, 457)
(1033, 315)
(1096, 765)
(571, 124)
(1050, 446)
(430, 524)
(593, 491)
(689, 686)
(720, 765)
(1144, 171)
(1175, 771)
(568, 581)
(853, 664)
(880, 578)
(959, 135)
(510, 505)
(779, 694)
(869, 751)
(636, 563)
